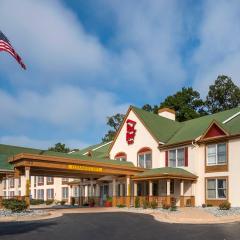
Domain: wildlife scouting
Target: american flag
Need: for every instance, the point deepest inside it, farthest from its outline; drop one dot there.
(6, 46)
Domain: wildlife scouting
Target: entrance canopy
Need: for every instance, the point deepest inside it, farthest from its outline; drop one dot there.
(72, 166)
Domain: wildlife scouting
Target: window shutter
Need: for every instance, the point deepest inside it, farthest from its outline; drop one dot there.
(186, 156)
(166, 158)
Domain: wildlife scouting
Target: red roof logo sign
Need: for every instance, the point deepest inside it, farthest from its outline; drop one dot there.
(131, 131)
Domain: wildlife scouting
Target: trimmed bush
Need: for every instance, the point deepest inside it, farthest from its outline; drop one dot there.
(49, 202)
(121, 206)
(14, 205)
(62, 202)
(153, 204)
(225, 205)
(145, 204)
(36, 201)
(166, 206)
(204, 205)
(137, 202)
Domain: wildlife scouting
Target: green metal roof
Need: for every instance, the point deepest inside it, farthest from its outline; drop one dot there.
(165, 171)
(7, 151)
(173, 132)
(160, 127)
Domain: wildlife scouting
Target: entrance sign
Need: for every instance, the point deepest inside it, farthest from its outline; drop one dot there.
(85, 168)
(131, 131)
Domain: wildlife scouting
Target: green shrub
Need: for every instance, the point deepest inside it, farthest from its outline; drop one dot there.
(204, 205)
(62, 202)
(14, 205)
(153, 204)
(225, 205)
(49, 202)
(209, 205)
(145, 204)
(137, 202)
(36, 201)
(121, 206)
(166, 206)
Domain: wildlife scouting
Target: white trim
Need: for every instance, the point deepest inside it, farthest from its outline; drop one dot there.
(161, 143)
(233, 116)
(97, 147)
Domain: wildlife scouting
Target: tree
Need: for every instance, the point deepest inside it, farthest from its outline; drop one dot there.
(222, 95)
(114, 122)
(187, 104)
(149, 108)
(59, 147)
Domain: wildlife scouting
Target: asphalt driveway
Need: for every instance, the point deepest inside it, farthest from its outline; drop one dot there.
(114, 226)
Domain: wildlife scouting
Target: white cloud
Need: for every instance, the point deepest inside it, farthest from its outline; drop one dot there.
(65, 107)
(56, 46)
(219, 50)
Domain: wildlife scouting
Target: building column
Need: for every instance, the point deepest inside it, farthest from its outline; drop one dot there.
(16, 181)
(168, 199)
(114, 198)
(121, 190)
(128, 191)
(28, 184)
(150, 188)
(135, 189)
(181, 193)
(193, 186)
(91, 187)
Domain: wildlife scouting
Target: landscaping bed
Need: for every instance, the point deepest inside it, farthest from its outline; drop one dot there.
(233, 211)
(26, 213)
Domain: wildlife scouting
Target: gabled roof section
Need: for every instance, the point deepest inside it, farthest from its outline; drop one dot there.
(98, 150)
(160, 127)
(216, 129)
(195, 128)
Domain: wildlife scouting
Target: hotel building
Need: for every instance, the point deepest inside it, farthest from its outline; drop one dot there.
(153, 156)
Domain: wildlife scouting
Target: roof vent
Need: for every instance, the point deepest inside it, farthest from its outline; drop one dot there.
(167, 113)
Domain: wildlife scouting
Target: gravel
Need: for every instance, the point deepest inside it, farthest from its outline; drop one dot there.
(150, 210)
(9, 213)
(234, 211)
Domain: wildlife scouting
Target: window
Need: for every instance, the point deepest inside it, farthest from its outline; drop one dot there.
(19, 182)
(4, 184)
(35, 181)
(50, 180)
(64, 192)
(19, 193)
(64, 180)
(40, 194)
(76, 191)
(50, 194)
(11, 182)
(216, 154)
(121, 156)
(176, 158)
(40, 181)
(217, 188)
(35, 194)
(11, 194)
(145, 158)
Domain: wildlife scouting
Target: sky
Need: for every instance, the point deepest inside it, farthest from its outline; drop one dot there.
(87, 60)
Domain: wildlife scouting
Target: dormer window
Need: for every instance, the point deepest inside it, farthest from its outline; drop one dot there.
(121, 156)
(217, 154)
(145, 158)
